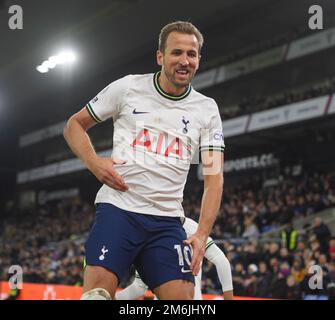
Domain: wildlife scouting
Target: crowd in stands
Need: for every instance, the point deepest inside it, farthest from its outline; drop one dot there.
(45, 242)
(249, 209)
(48, 242)
(274, 270)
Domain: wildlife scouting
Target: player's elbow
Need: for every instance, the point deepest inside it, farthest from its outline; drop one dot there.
(73, 125)
(67, 128)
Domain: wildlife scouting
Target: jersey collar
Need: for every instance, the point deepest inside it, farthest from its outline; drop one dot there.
(167, 95)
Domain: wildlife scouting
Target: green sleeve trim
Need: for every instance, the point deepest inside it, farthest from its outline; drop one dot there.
(92, 114)
(212, 148)
(209, 244)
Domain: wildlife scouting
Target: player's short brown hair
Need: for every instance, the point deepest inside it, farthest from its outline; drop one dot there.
(181, 27)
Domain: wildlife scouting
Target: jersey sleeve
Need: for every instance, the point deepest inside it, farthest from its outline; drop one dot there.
(211, 138)
(217, 257)
(108, 102)
(209, 242)
(190, 226)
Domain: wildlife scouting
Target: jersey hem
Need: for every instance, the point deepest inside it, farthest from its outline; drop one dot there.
(177, 214)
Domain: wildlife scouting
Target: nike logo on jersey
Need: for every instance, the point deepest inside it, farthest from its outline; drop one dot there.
(139, 112)
(185, 271)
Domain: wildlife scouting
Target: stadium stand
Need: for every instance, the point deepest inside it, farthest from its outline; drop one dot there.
(52, 250)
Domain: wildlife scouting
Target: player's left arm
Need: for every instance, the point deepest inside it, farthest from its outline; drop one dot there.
(211, 200)
(215, 255)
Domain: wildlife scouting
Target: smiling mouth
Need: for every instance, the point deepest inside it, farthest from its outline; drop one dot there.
(182, 72)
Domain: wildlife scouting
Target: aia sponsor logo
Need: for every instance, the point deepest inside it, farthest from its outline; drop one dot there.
(163, 144)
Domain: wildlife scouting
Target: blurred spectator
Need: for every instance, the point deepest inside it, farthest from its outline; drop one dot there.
(322, 233)
(239, 275)
(331, 282)
(271, 251)
(332, 249)
(292, 290)
(264, 280)
(250, 281)
(251, 230)
(289, 237)
(285, 256)
(278, 286)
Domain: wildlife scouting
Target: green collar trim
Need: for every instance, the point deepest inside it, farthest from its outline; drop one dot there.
(167, 95)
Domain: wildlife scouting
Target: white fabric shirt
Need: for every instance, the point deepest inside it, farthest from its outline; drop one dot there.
(158, 135)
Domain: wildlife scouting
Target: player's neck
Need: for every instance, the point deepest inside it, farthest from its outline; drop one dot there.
(169, 87)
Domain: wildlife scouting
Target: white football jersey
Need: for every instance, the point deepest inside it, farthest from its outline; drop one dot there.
(158, 135)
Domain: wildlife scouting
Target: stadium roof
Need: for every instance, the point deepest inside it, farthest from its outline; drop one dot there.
(113, 38)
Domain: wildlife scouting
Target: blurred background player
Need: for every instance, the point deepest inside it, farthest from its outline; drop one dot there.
(213, 253)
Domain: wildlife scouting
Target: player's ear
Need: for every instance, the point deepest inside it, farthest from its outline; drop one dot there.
(159, 56)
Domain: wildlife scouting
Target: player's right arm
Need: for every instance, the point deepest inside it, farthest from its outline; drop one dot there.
(105, 105)
(75, 134)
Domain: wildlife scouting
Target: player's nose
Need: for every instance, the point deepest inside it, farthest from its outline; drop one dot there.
(184, 60)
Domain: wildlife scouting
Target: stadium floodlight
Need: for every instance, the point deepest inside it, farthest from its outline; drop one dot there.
(53, 59)
(42, 69)
(64, 57)
(48, 64)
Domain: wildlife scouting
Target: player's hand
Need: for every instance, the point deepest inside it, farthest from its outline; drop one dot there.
(198, 244)
(103, 169)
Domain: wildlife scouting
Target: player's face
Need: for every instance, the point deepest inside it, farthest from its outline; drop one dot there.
(180, 59)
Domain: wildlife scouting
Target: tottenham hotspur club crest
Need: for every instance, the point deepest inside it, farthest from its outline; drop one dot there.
(185, 122)
(104, 251)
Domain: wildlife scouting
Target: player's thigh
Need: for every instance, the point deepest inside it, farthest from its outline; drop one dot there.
(175, 290)
(112, 245)
(165, 258)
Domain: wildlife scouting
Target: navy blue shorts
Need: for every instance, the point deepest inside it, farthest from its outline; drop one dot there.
(154, 244)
